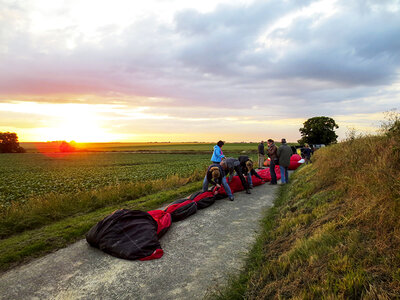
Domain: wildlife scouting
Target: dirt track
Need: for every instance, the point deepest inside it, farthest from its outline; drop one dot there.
(199, 254)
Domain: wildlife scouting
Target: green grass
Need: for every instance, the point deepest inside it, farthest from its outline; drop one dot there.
(34, 243)
(333, 232)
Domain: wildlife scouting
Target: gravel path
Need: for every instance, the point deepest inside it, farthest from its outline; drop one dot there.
(199, 253)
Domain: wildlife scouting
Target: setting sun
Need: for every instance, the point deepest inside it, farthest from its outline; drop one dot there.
(65, 121)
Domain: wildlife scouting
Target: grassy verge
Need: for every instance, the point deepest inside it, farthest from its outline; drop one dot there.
(34, 243)
(334, 232)
(41, 211)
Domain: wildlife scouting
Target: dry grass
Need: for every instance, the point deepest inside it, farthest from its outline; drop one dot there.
(47, 209)
(334, 233)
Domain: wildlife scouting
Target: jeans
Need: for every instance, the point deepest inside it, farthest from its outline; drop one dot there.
(272, 171)
(284, 174)
(224, 184)
(249, 180)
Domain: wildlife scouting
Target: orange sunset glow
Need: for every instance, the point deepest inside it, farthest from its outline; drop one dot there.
(184, 71)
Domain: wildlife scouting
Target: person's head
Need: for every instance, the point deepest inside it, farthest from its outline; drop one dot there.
(262, 142)
(220, 144)
(306, 145)
(270, 141)
(223, 164)
(283, 141)
(215, 172)
(249, 165)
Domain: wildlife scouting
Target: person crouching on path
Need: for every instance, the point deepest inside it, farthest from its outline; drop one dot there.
(273, 155)
(216, 176)
(284, 154)
(261, 155)
(218, 155)
(233, 165)
(246, 165)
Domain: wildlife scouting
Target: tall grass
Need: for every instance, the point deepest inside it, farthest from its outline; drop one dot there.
(46, 209)
(334, 233)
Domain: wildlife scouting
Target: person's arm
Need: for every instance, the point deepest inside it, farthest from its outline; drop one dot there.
(219, 153)
(230, 176)
(209, 178)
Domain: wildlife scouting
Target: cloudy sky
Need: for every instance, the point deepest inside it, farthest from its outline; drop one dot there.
(179, 70)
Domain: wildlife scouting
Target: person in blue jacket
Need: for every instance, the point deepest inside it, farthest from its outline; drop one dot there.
(218, 155)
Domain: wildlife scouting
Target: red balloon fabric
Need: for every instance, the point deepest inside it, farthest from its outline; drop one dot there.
(163, 220)
(265, 174)
(294, 162)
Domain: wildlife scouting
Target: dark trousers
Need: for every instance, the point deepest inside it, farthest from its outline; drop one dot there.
(272, 171)
(238, 170)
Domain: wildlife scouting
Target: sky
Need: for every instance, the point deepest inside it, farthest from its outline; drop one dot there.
(181, 71)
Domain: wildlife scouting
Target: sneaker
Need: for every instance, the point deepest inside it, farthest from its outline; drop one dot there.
(231, 198)
(248, 192)
(250, 187)
(272, 183)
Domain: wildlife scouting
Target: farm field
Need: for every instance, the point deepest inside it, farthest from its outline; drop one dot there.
(28, 175)
(46, 147)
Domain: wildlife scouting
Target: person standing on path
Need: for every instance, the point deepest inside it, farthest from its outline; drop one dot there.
(216, 176)
(218, 155)
(261, 155)
(284, 154)
(273, 155)
(306, 151)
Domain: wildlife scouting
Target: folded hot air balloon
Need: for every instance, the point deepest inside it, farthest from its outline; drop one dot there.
(181, 209)
(128, 234)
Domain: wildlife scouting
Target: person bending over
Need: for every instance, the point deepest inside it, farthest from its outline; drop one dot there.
(216, 176)
(246, 165)
(233, 165)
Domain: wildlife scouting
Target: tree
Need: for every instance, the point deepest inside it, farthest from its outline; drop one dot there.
(66, 147)
(318, 130)
(9, 143)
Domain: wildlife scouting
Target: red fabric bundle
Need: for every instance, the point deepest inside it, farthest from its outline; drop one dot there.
(163, 220)
(266, 174)
(294, 162)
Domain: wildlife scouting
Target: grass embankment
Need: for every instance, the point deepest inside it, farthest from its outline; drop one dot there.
(48, 223)
(334, 232)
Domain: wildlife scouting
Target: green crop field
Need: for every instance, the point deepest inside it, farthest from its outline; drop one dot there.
(25, 175)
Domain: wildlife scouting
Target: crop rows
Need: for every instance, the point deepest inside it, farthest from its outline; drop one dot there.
(23, 176)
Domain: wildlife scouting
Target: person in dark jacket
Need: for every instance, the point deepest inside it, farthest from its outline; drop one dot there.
(273, 156)
(246, 166)
(306, 153)
(218, 155)
(284, 154)
(216, 176)
(233, 165)
(261, 155)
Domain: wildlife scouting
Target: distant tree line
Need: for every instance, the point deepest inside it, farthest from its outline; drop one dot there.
(9, 143)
